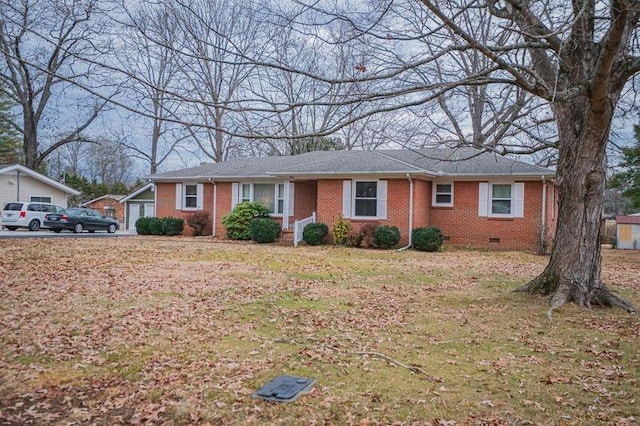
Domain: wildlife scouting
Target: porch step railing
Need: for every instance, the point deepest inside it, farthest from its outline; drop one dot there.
(298, 227)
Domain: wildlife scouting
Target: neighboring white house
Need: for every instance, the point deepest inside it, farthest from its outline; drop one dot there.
(19, 183)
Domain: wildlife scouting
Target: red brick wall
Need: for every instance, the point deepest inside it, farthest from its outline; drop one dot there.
(223, 201)
(166, 204)
(330, 206)
(305, 194)
(109, 202)
(460, 223)
(421, 203)
(465, 228)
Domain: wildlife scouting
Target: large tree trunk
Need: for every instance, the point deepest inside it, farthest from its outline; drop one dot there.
(573, 272)
(30, 141)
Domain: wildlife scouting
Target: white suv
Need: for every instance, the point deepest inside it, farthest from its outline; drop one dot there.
(23, 214)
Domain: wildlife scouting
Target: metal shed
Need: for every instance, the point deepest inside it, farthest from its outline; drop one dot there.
(628, 232)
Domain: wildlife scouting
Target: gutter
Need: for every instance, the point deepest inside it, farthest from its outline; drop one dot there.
(410, 213)
(215, 207)
(543, 217)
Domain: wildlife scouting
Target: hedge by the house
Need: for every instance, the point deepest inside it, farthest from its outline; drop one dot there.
(314, 233)
(264, 230)
(427, 239)
(386, 237)
(159, 226)
(238, 221)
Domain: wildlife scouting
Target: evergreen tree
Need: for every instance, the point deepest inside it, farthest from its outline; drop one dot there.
(628, 182)
(10, 145)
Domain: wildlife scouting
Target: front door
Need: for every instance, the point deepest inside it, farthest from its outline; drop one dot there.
(134, 214)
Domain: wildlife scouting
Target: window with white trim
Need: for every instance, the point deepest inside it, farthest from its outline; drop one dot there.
(269, 195)
(501, 199)
(366, 199)
(442, 194)
(246, 192)
(39, 199)
(190, 196)
(280, 199)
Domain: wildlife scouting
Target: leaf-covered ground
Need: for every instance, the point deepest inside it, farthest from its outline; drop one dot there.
(180, 331)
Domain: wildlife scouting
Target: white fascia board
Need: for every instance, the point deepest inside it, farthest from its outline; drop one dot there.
(42, 178)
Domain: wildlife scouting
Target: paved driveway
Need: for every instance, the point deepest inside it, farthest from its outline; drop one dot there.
(45, 233)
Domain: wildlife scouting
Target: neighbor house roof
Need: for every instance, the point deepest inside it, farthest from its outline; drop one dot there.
(628, 220)
(38, 176)
(137, 192)
(459, 162)
(114, 197)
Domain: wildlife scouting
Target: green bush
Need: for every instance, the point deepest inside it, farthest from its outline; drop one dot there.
(155, 226)
(171, 226)
(386, 237)
(340, 230)
(238, 221)
(264, 230)
(427, 239)
(314, 233)
(143, 225)
(198, 221)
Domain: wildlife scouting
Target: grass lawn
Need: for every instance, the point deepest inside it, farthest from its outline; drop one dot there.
(183, 330)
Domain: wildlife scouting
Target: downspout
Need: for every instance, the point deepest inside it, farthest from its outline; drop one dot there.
(18, 186)
(215, 207)
(543, 218)
(410, 213)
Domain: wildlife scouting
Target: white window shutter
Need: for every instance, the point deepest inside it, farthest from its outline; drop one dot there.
(518, 208)
(382, 199)
(234, 194)
(483, 199)
(199, 194)
(292, 196)
(178, 196)
(346, 199)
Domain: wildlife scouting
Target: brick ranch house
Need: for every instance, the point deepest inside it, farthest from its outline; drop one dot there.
(476, 198)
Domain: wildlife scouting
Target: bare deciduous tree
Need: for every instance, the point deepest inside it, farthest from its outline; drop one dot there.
(40, 46)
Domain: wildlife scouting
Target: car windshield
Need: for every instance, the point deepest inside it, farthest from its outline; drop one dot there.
(13, 206)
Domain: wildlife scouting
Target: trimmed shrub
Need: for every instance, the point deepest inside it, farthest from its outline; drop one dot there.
(340, 231)
(143, 225)
(238, 221)
(171, 226)
(264, 230)
(198, 221)
(386, 237)
(314, 233)
(155, 226)
(367, 230)
(427, 239)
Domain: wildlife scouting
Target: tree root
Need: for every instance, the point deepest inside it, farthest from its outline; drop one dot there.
(412, 368)
(605, 297)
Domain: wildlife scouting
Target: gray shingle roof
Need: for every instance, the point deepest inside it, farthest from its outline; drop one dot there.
(428, 161)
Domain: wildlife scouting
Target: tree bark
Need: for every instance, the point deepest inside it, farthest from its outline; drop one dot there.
(573, 272)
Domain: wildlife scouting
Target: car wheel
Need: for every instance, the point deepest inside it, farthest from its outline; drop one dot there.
(112, 228)
(56, 230)
(78, 228)
(34, 225)
(12, 228)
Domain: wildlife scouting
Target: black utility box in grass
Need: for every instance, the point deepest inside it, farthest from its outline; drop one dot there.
(284, 389)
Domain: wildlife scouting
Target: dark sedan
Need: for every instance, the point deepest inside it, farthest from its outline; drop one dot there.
(80, 219)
